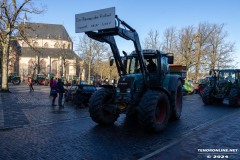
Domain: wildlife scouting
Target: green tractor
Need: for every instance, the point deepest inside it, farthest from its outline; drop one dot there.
(14, 78)
(223, 84)
(145, 91)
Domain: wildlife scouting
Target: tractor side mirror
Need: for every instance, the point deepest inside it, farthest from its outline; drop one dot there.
(170, 58)
(111, 61)
(124, 59)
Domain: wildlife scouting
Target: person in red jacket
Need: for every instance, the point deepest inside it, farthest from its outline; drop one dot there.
(30, 83)
(54, 91)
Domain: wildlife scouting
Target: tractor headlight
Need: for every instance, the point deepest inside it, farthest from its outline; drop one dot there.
(121, 105)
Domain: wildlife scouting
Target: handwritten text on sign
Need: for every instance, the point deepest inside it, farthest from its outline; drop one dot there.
(95, 20)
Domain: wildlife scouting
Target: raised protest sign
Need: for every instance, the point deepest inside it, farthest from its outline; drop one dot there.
(95, 20)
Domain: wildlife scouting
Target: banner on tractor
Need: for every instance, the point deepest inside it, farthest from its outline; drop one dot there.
(95, 20)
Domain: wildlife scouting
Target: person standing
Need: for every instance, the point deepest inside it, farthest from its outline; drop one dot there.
(51, 83)
(30, 83)
(54, 91)
(60, 92)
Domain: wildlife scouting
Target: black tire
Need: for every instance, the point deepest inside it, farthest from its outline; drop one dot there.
(177, 102)
(234, 97)
(219, 100)
(16, 81)
(132, 114)
(206, 96)
(154, 111)
(100, 108)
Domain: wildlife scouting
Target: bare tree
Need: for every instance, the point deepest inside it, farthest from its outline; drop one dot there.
(204, 31)
(170, 40)
(152, 41)
(10, 13)
(63, 54)
(91, 52)
(186, 37)
(219, 54)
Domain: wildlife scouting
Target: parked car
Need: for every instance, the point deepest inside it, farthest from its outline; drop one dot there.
(79, 94)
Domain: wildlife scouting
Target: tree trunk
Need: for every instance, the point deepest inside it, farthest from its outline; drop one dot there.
(5, 65)
(89, 72)
(198, 55)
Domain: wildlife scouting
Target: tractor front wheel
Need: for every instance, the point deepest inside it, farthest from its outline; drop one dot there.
(101, 109)
(154, 111)
(16, 81)
(206, 96)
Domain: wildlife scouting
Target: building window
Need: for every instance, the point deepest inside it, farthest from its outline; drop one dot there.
(69, 46)
(30, 67)
(67, 70)
(46, 45)
(56, 45)
(43, 66)
(24, 44)
(64, 46)
(35, 44)
(54, 67)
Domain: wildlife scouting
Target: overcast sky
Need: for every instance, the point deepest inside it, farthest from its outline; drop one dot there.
(144, 15)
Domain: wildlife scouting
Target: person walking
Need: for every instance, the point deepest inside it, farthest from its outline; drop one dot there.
(30, 83)
(60, 92)
(54, 92)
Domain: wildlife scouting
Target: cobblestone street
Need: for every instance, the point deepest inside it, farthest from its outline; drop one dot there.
(31, 129)
(23, 108)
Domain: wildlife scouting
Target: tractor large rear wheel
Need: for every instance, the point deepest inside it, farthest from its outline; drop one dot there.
(154, 111)
(206, 96)
(234, 97)
(101, 109)
(177, 102)
(16, 81)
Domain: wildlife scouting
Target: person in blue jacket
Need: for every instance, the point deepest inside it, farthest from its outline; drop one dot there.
(61, 90)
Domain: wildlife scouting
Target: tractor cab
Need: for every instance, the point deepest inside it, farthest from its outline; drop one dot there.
(156, 63)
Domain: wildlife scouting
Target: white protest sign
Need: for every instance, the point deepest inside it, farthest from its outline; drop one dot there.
(95, 20)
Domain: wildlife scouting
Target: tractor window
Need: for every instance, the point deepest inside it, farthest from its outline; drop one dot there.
(227, 75)
(164, 64)
(151, 64)
(134, 66)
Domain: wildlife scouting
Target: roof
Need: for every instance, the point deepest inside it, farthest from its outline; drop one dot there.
(45, 52)
(47, 31)
(227, 70)
(148, 52)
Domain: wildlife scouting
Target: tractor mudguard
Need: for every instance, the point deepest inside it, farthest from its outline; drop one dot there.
(170, 82)
(107, 86)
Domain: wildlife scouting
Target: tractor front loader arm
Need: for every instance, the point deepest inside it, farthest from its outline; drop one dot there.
(127, 33)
